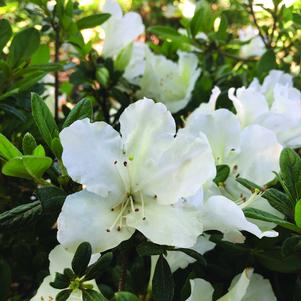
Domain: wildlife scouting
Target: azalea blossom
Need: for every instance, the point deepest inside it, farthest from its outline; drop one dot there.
(247, 286)
(255, 45)
(169, 82)
(134, 180)
(120, 30)
(136, 65)
(252, 153)
(60, 259)
(275, 104)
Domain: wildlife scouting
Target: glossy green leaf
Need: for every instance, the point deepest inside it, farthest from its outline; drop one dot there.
(27, 167)
(163, 282)
(83, 109)
(28, 144)
(43, 119)
(7, 149)
(5, 33)
(23, 45)
(92, 21)
(20, 215)
(81, 258)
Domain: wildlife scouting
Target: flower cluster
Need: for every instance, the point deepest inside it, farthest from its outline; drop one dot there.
(151, 178)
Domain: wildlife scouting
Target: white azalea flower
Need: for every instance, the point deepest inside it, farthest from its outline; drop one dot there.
(59, 260)
(251, 153)
(133, 181)
(120, 30)
(136, 65)
(275, 104)
(169, 82)
(244, 287)
(255, 47)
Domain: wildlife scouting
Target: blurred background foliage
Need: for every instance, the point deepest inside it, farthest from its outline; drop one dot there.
(58, 56)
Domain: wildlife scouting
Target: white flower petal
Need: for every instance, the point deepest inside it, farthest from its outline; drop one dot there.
(120, 30)
(173, 82)
(182, 169)
(210, 106)
(147, 130)
(90, 150)
(200, 288)
(223, 139)
(238, 291)
(167, 225)
(222, 214)
(258, 289)
(249, 104)
(86, 216)
(112, 7)
(259, 156)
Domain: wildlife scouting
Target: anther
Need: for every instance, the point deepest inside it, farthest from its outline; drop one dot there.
(108, 230)
(155, 196)
(118, 228)
(125, 163)
(137, 209)
(144, 218)
(115, 162)
(112, 209)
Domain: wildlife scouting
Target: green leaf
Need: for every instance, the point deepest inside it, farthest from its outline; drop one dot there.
(7, 149)
(275, 261)
(125, 296)
(267, 62)
(290, 173)
(82, 110)
(27, 167)
(41, 56)
(57, 147)
(63, 295)
(221, 34)
(23, 45)
(60, 281)
(39, 151)
(43, 119)
(279, 201)
(192, 253)
(298, 214)
(92, 21)
(5, 33)
(91, 295)
(248, 184)
(222, 173)
(5, 280)
(148, 248)
(28, 144)
(203, 19)
(20, 215)
(97, 268)
(291, 245)
(163, 282)
(123, 58)
(81, 258)
(268, 217)
(168, 33)
(52, 198)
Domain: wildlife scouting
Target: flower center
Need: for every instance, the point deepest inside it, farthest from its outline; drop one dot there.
(124, 208)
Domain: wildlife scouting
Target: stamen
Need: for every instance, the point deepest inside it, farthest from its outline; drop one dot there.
(132, 203)
(142, 206)
(119, 217)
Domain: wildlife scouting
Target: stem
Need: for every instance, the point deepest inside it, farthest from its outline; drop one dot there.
(266, 44)
(56, 74)
(122, 279)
